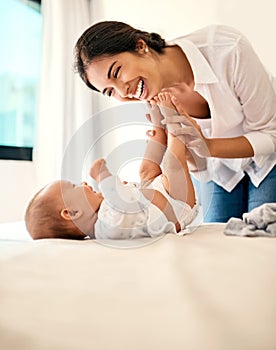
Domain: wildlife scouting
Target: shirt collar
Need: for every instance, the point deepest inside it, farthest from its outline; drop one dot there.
(202, 71)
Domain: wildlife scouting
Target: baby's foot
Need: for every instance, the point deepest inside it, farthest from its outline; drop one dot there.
(155, 115)
(163, 99)
(167, 108)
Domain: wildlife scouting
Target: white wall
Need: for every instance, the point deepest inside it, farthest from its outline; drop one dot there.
(256, 19)
(16, 185)
(172, 18)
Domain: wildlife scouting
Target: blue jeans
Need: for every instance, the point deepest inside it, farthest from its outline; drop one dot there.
(219, 205)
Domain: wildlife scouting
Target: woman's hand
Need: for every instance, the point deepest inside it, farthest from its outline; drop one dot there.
(190, 131)
(154, 116)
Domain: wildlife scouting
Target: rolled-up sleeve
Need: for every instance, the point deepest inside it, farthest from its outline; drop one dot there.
(261, 142)
(255, 90)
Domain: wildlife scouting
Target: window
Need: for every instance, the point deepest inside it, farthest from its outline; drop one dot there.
(20, 42)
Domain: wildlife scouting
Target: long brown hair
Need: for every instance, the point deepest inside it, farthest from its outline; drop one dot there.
(109, 38)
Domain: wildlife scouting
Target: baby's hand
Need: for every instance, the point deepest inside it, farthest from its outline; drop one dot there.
(99, 170)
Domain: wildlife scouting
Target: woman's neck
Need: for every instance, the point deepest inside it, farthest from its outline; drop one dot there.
(177, 67)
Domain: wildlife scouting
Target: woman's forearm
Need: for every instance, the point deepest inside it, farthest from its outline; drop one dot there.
(235, 147)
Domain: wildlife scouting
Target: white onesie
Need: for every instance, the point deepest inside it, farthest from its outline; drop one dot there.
(126, 214)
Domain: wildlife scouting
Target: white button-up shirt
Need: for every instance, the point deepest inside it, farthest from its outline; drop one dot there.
(241, 96)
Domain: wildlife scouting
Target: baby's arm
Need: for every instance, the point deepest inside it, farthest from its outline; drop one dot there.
(99, 170)
(125, 198)
(119, 196)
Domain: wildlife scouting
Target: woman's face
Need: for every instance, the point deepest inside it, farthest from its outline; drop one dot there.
(128, 75)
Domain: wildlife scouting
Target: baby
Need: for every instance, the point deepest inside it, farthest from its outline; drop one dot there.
(163, 202)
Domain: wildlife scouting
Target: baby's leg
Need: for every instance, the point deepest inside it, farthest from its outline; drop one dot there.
(156, 147)
(164, 102)
(195, 162)
(176, 179)
(176, 176)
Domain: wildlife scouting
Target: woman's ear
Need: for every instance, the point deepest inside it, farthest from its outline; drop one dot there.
(141, 46)
(68, 214)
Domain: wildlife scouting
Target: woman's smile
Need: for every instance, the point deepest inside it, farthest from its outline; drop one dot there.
(125, 76)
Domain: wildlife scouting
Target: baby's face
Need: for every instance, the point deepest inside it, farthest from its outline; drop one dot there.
(82, 195)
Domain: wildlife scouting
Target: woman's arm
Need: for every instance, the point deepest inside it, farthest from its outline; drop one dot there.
(234, 147)
(254, 90)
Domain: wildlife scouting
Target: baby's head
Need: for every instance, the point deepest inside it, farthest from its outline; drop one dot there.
(63, 210)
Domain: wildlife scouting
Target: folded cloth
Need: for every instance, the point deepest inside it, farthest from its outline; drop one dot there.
(261, 216)
(260, 221)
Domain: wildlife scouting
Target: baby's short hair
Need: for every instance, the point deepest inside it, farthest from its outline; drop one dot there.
(43, 219)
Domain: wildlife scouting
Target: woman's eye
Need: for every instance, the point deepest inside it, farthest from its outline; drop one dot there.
(116, 72)
(109, 94)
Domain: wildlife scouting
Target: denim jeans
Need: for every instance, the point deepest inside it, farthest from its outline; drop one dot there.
(219, 205)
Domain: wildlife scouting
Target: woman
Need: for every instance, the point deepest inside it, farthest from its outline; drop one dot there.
(215, 77)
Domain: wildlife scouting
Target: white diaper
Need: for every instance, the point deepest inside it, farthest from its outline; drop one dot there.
(157, 223)
(184, 213)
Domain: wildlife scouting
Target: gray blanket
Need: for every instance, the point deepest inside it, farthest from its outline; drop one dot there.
(260, 221)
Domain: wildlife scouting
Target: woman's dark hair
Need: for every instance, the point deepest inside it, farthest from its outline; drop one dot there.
(110, 38)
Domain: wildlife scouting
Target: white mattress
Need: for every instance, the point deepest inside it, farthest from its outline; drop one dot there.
(203, 291)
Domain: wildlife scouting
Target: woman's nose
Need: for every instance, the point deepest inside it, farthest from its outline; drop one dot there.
(122, 89)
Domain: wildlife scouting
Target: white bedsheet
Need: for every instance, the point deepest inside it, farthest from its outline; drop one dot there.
(203, 291)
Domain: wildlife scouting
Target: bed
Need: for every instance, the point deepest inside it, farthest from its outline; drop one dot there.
(202, 291)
